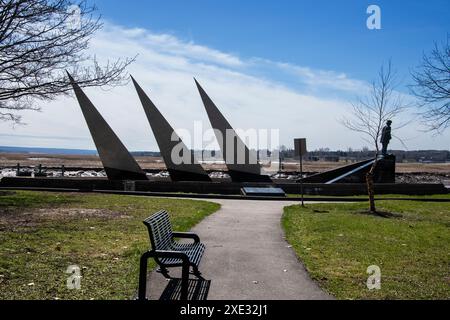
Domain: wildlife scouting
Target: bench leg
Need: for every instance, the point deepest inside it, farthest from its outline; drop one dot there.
(142, 293)
(184, 281)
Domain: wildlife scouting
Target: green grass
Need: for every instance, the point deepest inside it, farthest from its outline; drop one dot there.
(337, 243)
(41, 234)
(379, 196)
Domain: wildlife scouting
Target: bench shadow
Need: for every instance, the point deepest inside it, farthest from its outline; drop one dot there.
(198, 289)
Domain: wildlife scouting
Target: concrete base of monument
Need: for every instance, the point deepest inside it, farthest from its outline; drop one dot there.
(220, 187)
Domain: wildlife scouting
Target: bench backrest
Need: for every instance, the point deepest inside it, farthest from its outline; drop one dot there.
(160, 230)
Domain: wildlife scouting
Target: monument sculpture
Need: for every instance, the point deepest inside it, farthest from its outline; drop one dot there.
(180, 160)
(167, 141)
(250, 170)
(118, 163)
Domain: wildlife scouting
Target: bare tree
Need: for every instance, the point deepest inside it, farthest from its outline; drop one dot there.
(371, 112)
(432, 87)
(39, 40)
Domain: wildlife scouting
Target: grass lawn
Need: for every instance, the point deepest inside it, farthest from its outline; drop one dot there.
(337, 243)
(378, 196)
(41, 234)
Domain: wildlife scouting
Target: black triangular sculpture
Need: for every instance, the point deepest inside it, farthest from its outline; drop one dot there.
(168, 141)
(250, 170)
(119, 164)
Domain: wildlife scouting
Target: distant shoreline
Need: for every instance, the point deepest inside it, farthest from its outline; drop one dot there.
(63, 151)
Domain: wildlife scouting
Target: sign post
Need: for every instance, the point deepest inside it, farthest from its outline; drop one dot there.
(300, 151)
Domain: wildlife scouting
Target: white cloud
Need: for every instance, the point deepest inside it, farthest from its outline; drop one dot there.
(324, 78)
(168, 45)
(251, 93)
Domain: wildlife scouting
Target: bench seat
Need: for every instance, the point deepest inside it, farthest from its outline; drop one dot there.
(194, 251)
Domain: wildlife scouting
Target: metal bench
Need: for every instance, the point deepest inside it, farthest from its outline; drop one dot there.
(169, 253)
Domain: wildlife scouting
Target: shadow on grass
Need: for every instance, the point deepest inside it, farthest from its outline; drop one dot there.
(381, 214)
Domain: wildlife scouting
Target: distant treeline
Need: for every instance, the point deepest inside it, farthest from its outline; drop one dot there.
(401, 155)
(37, 150)
(316, 155)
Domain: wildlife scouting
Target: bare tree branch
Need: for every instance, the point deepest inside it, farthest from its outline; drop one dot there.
(39, 40)
(432, 87)
(372, 111)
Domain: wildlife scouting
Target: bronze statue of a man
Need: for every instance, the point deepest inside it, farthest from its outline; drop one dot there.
(385, 137)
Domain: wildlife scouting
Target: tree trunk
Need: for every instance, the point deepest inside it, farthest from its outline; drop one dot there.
(370, 188)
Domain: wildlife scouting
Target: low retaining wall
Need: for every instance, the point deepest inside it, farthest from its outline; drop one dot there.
(226, 188)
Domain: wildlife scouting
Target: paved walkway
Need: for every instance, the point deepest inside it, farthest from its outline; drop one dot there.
(247, 256)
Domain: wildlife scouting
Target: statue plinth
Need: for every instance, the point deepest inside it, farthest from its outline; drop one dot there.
(385, 170)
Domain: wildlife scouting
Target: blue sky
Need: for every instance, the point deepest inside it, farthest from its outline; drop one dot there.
(328, 35)
(294, 66)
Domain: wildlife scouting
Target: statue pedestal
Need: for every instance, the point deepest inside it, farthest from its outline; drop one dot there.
(385, 170)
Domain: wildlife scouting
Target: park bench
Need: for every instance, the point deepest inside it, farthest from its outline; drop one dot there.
(169, 253)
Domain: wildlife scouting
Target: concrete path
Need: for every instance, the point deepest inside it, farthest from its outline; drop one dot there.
(247, 256)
